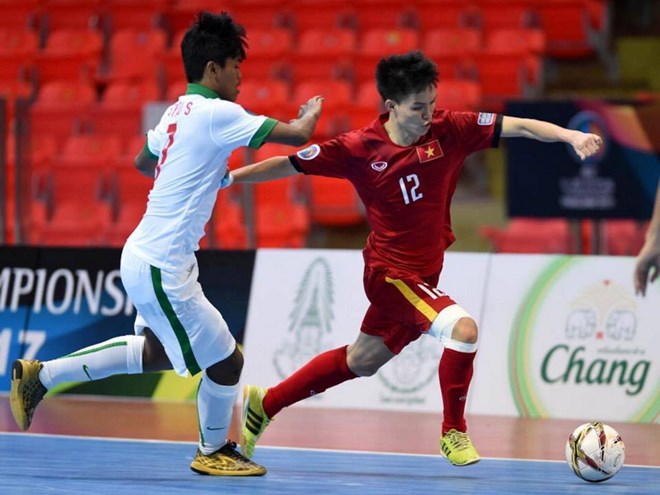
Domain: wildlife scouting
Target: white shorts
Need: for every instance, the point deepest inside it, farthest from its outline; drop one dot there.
(172, 304)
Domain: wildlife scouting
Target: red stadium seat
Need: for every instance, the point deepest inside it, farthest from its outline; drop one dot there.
(176, 89)
(566, 24)
(18, 47)
(527, 43)
(120, 109)
(143, 15)
(259, 14)
(178, 16)
(507, 14)
(71, 14)
(324, 53)
(530, 235)
(281, 218)
(338, 102)
(20, 41)
(529, 39)
(70, 54)
(122, 62)
(338, 94)
(20, 15)
(266, 96)
(129, 192)
(501, 76)
(61, 108)
(279, 221)
(450, 47)
(377, 43)
(73, 214)
(11, 91)
(436, 14)
(458, 94)
(267, 56)
(385, 14)
(367, 106)
(92, 150)
(334, 202)
(228, 222)
(323, 14)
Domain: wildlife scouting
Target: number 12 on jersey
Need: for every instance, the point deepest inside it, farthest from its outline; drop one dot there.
(409, 186)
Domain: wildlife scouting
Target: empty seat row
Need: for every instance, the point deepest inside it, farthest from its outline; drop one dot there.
(555, 236)
(569, 23)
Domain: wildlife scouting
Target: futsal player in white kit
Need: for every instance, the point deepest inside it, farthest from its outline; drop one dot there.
(176, 326)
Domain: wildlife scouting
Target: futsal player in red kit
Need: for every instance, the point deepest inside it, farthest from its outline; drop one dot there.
(404, 166)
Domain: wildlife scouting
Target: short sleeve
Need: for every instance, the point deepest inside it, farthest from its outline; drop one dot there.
(325, 159)
(232, 126)
(477, 131)
(156, 140)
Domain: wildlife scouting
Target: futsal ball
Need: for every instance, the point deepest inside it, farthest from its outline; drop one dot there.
(595, 452)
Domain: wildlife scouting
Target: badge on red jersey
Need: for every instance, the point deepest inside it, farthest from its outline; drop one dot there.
(485, 118)
(429, 151)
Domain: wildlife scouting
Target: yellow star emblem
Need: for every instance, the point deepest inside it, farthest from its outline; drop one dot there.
(429, 152)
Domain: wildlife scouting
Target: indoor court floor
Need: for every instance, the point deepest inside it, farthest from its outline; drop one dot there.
(100, 446)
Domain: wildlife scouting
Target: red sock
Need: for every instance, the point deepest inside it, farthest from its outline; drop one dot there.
(324, 371)
(455, 372)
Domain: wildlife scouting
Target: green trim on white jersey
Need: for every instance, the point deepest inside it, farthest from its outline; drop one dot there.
(258, 139)
(198, 89)
(148, 152)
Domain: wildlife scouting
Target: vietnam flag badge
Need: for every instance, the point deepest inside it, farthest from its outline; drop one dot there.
(429, 151)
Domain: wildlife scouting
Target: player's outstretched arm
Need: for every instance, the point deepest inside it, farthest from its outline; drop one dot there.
(584, 144)
(647, 264)
(300, 130)
(276, 167)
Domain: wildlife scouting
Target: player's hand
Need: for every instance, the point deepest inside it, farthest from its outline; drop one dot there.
(311, 107)
(585, 144)
(647, 265)
(227, 180)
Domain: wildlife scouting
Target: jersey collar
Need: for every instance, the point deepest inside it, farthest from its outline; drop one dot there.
(198, 89)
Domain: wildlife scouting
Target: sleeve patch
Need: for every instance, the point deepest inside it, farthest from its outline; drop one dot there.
(309, 153)
(485, 118)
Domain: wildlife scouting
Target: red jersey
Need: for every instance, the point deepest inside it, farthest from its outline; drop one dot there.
(406, 190)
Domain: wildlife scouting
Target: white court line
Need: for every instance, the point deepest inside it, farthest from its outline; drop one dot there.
(266, 447)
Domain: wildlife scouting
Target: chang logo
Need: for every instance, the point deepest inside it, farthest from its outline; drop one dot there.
(580, 342)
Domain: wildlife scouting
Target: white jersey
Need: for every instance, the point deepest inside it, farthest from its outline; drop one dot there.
(192, 142)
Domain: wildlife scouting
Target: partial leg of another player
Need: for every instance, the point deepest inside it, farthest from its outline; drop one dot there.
(31, 379)
(260, 405)
(216, 455)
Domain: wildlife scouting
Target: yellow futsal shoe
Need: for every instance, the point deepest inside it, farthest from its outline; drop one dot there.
(26, 391)
(227, 461)
(457, 447)
(254, 419)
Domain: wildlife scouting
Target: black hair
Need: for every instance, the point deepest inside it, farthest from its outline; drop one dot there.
(399, 76)
(212, 37)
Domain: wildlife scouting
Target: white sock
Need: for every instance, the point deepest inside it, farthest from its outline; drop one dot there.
(215, 404)
(113, 357)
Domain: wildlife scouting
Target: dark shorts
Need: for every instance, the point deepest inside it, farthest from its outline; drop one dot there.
(403, 305)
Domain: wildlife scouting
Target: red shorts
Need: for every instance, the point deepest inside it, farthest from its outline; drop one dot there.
(403, 305)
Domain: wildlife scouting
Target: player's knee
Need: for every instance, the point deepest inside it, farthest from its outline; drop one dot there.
(228, 371)
(362, 364)
(154, 357)
(363, 369)
(465, 330)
